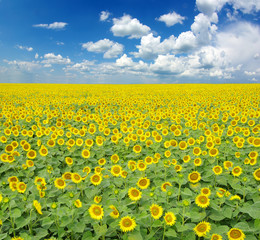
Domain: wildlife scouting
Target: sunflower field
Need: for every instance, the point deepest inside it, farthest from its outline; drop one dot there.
(129, 162)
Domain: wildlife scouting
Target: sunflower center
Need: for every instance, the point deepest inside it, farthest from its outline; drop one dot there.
(127, 223)
(235, 234)
(96, 178)
(97, 211)
(168, 218)
(135, 193)
(155, 211)
(258, 173)
(203, 199)
(202, 227)
(194, 176)
(60, 182)
(143, 182)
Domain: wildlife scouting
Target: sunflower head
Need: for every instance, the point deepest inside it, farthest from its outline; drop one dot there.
(127, 224)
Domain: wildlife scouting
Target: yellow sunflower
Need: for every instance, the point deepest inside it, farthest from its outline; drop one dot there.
(137, 148)
(97, 199)
(21, 187)
(31, 154)
(257, 174)
(78, 203)
(96, 179)
(202, 228)
(85, 153)
(141, 166)
(59, 183)
(170, 218)
(143, 183)
(194, 177)
(202, 201)
(165, 185)
(217, 170)
(37, 206)
(216, 237)
(156, 211)
(96, 211)
(237, 171)
(134, 194)
(205, 191)
(69, 161)
(114, 214)
(236, 234)
(127, 224)
(76, 178)
(116, 170)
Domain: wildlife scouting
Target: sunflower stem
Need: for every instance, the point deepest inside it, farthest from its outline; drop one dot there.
(163, 231)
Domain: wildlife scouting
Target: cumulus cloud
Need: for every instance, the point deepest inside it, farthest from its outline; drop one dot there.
(109, 48)
(84, 66)
(151, 46)
(24, 65)
(171, 19)
(208, 7)
(29, 49)
(104, 15)
(51, 58)
(128, 26)
(55, 25)
(246, 6)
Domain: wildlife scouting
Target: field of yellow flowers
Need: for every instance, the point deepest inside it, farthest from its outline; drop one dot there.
(129, 162)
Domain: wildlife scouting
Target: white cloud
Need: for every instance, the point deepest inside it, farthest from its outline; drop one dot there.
(208, 7)
(55, 25)
(246, 6)
(171, 19)
(249, 73)
(124, 61)
(109, 48)
(36, 56)
(29, 49)
(104, 15)
(185, 42)
(24, 65)
(128, 26)
(60, 43)
(151, 46)
(203, 29)
(51, 58)
(83, 66)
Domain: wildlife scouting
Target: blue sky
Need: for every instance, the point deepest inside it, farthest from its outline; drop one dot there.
(130, 41)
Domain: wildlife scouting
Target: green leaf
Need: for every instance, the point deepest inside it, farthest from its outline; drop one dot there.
(227, 212)
(170, 233)
(253, 210)
(3, 236)
(21, 222)
(79, 227)
(41, 232)
(100, 230)
(216, 216)
(16, 213)
(47, 222)
(189, 236)
(243, 226)
(157, 223)
(135, 236)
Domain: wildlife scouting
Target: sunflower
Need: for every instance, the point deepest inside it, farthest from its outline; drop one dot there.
(76, 178)
(96, 211)
(197, 162)
(178, 168)
(86, 170)
(165, 185)
(156, 211)
(85, 153)
(216, 237)
(134, 194)
(37, 206)
(143, 183)
(21, 187)
(102, 161)
(227, 164)
(59, 183)
(202, 228)
(257, 174)
(194, 177)
(127, 224)
(29, 163)
(202, 201)
(236, 234)
(96, 179)
(69, 161)
(43, 151)
(256, 142)
(196, 151)
(137, 148)
(169, 218)
(97, 199)
(67, 175)
(141, 166)
(13, 179)
(31, 154)
(78, 203)
(237, 171)
(213, 152)
(183, 145)
(116, 170)
(9, 148)
(1, 197)
(205, 191)
(217, 170)
(114, 214)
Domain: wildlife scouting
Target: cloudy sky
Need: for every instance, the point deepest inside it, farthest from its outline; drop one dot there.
(130, 41)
